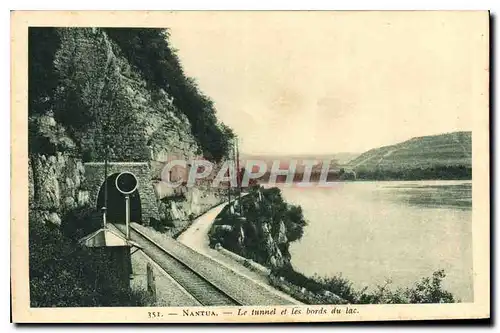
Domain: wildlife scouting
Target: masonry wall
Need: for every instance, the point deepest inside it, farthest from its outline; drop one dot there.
(94, 178)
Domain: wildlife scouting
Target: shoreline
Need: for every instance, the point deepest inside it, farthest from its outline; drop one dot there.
(196, 238)
(297, 284)
(327, 185)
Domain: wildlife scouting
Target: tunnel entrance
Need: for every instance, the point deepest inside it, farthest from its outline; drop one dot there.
(116, 202)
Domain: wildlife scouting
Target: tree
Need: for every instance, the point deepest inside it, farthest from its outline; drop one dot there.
(42, 75)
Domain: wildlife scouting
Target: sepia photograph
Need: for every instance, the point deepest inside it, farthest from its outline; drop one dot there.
(250, 166)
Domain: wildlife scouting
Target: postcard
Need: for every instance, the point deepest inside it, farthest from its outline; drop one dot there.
(250, 167)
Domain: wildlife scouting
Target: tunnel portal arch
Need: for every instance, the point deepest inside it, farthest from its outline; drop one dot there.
(116, 202)
(144, 207)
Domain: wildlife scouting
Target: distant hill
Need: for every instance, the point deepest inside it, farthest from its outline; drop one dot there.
(335, 162)
(344, 158)
(450, 150)
(443, 156)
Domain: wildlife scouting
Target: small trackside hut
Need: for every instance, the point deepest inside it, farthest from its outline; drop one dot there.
(116, 267)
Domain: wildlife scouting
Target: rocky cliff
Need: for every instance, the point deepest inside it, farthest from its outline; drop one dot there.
(178, 211)
(55, 186)
(261, 229)
(88, 97)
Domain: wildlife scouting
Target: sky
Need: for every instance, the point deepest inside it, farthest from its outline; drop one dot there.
(326, 82)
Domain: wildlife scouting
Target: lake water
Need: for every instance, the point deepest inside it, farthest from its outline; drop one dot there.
(374, 231)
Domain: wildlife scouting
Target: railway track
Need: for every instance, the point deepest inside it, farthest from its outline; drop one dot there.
(198, 286)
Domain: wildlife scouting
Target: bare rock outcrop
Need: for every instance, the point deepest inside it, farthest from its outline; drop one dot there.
(55, 186)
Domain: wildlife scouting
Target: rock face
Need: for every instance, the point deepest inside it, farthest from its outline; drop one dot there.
(55, 186)
(180, 209)
(275, 245)
(255, 241)
(71, 126)
(138, 122)
(265, 229)
(53, 134)
(59, 183)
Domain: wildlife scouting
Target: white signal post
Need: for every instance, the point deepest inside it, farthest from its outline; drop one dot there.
(127, 215)
(130, 187)
(104, 217)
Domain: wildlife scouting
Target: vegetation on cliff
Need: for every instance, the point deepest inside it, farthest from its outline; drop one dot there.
(150, 51)
(119, 87)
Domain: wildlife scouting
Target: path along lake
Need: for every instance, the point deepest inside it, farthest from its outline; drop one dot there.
(399, 230)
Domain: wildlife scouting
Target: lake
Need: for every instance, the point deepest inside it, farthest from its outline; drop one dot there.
(400, 230)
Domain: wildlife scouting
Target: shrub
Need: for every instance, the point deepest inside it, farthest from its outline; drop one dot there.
(63, 274)
(426, 290)
(339, 286)
(80, 222)
(430, 290)
(162, 224)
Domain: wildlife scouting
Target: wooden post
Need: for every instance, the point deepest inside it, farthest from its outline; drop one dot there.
(151, 284)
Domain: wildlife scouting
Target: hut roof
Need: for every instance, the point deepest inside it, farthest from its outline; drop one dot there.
(105, 237)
